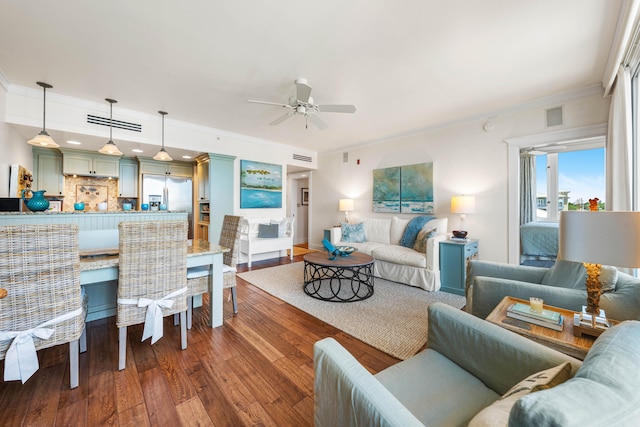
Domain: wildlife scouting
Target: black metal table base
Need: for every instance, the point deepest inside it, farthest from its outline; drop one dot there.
(338, 283)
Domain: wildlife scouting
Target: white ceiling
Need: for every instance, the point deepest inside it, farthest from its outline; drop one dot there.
(405, 65)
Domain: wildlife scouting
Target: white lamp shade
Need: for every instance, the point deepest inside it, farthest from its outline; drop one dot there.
(463, 204)
(110, 148)
(346, 205)
(163, 156)
(43, 140)
(604, 237)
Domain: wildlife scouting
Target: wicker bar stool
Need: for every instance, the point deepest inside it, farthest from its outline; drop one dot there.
(152, 279)
(44, 305)
(198, 277)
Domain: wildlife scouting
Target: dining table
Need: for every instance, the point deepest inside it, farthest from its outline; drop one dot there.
(99, 275)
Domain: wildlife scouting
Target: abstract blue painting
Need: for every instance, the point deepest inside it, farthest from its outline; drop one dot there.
(260, 185)
(404, 189)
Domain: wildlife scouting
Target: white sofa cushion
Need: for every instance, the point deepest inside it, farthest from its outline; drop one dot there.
(364, 247)
(440, 224)
(398, 226)
(377, 230)
(400, 255)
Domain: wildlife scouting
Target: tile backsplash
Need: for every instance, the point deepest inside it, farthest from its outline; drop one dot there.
(91, 191)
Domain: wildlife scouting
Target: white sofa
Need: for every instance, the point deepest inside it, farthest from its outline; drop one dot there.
(398, 263)
(252, 244)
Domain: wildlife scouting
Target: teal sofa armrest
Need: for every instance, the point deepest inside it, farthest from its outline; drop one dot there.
(522, 273)
(346, 394)
(487, 292)
(497, 357)
(604, 392)
(624, 302)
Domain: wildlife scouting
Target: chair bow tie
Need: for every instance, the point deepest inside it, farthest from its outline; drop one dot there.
(21, 360)
(153, 318)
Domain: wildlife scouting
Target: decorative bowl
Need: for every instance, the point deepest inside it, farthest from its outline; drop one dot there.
(345, 250)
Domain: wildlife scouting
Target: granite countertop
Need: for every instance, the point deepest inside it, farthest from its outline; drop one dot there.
(96, 261)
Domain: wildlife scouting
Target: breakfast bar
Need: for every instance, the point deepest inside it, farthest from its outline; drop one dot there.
(99, 255)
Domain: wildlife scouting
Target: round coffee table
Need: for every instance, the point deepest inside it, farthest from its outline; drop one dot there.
(343, 279)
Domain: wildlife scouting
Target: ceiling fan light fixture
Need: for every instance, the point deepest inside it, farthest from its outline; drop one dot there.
(43, 139)
(162, 155)
(110, 147)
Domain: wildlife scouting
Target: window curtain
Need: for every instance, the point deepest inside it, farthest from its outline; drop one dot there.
(527, 188)
(618, 153)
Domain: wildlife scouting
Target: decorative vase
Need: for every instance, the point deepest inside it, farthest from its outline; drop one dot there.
(37, 202)
(79, 206)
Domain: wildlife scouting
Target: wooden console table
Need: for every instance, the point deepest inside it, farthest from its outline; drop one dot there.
(562, 341)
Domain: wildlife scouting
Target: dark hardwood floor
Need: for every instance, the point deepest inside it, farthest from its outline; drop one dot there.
(256, 369)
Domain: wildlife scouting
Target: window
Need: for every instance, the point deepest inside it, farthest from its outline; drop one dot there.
(568, 179)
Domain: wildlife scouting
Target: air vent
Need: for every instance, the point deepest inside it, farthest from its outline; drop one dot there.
(104, 121)
(302, 158)
(554, 116)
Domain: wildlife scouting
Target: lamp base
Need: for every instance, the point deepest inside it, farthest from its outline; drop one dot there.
(459, 234)
(582, 323)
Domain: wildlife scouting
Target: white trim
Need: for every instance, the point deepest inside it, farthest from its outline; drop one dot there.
(557, 99)
(514, 145)
(621, 47)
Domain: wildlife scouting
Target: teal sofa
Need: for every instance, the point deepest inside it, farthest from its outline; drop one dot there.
(562, 285)
(467, 366)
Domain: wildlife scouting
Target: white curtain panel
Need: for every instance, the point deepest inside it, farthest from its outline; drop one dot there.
(619, 143)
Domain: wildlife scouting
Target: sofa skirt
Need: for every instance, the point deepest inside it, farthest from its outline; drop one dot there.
(428, 280)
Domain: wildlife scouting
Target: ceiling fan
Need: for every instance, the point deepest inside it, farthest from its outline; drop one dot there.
(301, 104)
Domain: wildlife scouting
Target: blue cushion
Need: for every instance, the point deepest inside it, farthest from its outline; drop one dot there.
(353, 233)
(267, 231)
(412, 230)
(566, 274)
(605, 390)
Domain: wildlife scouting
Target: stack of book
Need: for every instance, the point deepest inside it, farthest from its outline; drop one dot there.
(459, 239)
(547, 318)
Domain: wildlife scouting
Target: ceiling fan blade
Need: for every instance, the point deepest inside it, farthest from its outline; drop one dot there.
(269, 103)
(320, 124)
(337, 108)
(280, 119)
(303, 91)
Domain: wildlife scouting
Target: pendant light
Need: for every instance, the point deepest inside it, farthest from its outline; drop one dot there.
(162, 155)
(110, 147)
(43, 139)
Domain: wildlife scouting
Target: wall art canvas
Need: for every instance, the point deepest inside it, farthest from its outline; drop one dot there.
(404, 189)
(260, 185)
(386, 190)
(416, 188)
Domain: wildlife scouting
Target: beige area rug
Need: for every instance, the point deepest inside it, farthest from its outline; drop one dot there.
(393, 320)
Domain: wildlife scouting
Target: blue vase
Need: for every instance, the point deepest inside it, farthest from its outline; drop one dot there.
(37, 202)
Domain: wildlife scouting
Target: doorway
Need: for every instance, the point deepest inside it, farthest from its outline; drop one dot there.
(299, 203)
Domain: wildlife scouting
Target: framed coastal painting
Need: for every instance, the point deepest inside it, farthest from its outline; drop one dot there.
(260, 185)
(404, 189)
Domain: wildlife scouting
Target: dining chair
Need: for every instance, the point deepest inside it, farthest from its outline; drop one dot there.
(44, 305)
(152, 279)
(198, 277)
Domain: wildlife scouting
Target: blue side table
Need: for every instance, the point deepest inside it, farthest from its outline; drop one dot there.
(453, 264)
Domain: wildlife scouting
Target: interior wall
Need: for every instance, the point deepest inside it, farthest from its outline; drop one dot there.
(13, 147)
(466, 160)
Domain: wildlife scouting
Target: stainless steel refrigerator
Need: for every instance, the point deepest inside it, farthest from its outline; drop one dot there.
(177, 193)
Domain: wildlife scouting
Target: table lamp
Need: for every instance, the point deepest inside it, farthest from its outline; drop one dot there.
(346, 206)
(462, 205)
(596, 238)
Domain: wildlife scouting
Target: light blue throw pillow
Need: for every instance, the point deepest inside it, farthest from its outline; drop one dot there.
(566, 274)
(353, 233)
(412, 230)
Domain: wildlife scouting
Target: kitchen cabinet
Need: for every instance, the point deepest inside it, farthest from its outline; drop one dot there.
(202, 175)
(128, 181)
(215, 194)
(90, 164)
(48, 172)
(156, 167)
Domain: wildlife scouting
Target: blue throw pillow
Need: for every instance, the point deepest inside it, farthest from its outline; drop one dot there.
(412, 230)
(353, 233)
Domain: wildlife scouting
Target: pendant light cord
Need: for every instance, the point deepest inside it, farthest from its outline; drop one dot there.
(44, 108)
